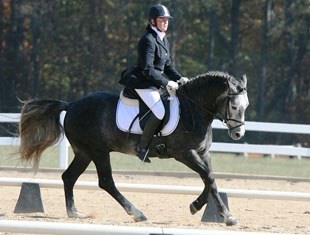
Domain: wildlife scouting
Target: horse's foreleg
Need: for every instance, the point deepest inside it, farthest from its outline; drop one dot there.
(228, 218)
(223, 211)
(69, 177)
(196, 163)
(199, 164)
(196, 205)
(106, 182)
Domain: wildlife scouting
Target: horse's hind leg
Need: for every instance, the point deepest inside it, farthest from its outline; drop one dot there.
(69, 177)
(106, 182)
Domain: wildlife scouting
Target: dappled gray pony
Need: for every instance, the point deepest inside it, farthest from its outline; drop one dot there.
(91, 129)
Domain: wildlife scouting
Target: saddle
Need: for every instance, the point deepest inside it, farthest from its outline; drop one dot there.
(132, 114)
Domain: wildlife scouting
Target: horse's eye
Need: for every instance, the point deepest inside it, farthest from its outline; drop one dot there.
(234, 107)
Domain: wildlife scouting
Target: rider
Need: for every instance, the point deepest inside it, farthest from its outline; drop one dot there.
(155, 71)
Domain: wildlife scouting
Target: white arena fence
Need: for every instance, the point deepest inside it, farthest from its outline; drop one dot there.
(163, 189)
(34, 227)
(216, 147)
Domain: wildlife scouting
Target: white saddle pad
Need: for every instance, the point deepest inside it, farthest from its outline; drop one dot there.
(127, 110)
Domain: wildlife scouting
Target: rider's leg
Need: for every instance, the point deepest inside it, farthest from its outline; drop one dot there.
(146, 138)
(151, 98)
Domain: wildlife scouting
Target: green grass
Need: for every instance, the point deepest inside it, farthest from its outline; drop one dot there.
(225, 163)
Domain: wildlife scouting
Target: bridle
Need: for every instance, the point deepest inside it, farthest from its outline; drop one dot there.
(227, 118)
(228, 114)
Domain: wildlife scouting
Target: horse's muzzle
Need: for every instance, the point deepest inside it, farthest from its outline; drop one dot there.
(236, 132)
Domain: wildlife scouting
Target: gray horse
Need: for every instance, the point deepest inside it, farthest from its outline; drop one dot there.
(92, 132)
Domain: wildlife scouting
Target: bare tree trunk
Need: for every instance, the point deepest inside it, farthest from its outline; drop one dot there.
(173, 36)
(12, 62)
(1, 26)
(212, 34)
(289, 59)
(35, 58)
(296, 48)
(129, 53)
(235, 10)
(264, 59)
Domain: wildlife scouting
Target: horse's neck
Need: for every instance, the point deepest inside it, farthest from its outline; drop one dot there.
(202, 99)
(201, 104)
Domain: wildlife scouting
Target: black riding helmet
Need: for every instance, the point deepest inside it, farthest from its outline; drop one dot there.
(159, 11)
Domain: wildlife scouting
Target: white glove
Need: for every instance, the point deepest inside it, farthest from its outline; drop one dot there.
(183, 80)
(172, 87)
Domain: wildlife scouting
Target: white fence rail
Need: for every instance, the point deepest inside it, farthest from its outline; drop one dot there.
(35, 227)
(216, 147)
(164, 189)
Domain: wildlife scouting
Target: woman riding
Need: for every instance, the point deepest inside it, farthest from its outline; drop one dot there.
(154, 71)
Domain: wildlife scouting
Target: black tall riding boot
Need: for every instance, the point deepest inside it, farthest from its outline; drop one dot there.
(146, 138)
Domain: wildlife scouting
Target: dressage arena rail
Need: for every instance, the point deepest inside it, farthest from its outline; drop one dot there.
(164, 189)
(216, 147)
(93, 229)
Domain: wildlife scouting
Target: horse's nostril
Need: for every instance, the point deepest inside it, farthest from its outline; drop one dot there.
(237, 135)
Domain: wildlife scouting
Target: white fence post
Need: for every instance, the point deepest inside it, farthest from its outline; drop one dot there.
(63, 146)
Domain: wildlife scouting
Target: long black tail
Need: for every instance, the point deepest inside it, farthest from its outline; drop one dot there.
(39, 128)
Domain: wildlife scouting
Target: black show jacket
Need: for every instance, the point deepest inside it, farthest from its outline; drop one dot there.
(155, 66)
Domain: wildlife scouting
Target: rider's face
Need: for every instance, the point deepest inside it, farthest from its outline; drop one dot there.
(162, 24)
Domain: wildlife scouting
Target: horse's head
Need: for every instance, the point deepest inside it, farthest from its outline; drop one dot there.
(220, 95)
(233, 112)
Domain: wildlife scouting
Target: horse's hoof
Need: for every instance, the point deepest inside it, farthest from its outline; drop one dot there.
(193, 209)
(77, 215)
(140, 218)
(230, 221)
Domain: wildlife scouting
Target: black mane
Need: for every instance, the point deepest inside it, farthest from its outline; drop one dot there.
(218, 79)
(213, 74)
(214, 77)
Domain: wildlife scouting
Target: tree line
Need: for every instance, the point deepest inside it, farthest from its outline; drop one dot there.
(64, 49)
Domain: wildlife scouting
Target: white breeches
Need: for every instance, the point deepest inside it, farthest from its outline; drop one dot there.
(151, 98)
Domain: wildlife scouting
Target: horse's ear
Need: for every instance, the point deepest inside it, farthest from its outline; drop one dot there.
(244, 80)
